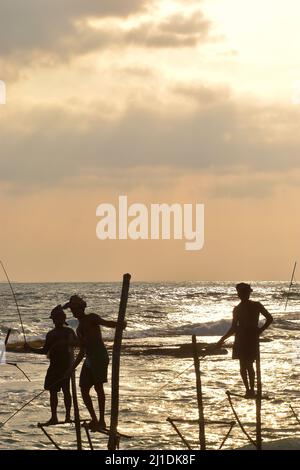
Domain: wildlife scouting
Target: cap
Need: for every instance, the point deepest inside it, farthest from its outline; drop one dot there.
(57, 313)
(243, 286)
(75, 300)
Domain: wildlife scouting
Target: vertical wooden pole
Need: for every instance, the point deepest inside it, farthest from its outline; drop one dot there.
(113, 435)
(199, 395)
(7, 336)
(258, 401)
(76, 409)
(290, 286)
(5, 344)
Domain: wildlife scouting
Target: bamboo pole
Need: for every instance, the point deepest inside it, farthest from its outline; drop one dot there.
(227, 435)
(113, 440)
(49, 437)
(76, 408)
(199, 395)
(87, 431)
(4, 346)
(295, 414)
(258, 402)
(7, 336)
(290, 286)
(179, 433)
(239, 421)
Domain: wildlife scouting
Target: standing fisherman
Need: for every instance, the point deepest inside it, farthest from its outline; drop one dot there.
(58, 347)
(246, 330)
(94, 369)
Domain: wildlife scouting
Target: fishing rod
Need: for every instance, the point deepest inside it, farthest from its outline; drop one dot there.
(15, 299)
(22, 407)
(31, 400)
(290, 286)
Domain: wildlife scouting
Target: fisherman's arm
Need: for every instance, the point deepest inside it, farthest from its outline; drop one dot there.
(268, 317)
(229, 333)
(109, 324)
(44, 350)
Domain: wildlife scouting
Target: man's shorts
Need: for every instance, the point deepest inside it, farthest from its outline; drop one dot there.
(55, 379)
(93, 374)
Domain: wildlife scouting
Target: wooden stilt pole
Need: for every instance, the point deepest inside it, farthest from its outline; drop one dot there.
(7, 336)
(227, 435)
(113, 440)
(179, 433)
(238, 420)
(258, 402)
(49, 437)
(87, 431)
(76, 410)
(5, 343)
(290, 286)
(199, 395)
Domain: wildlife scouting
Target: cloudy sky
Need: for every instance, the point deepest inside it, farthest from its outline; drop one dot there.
(164, 101)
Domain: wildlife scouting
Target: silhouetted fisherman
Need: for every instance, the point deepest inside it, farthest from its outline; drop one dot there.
(246, 330)
(58, 347)
(94, 369)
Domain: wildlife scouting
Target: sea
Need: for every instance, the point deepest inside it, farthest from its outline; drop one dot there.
(154, 386)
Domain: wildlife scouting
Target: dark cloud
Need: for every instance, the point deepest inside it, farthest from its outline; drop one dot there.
(41, 24)
(203, 94)
(40, 32)
(174, 31)
(45, 146)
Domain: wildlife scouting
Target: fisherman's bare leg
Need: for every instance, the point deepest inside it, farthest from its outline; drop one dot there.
(85, 393)
(53, 406)
(68, 402)
(101, 401)
(244, 375)
(251, 375)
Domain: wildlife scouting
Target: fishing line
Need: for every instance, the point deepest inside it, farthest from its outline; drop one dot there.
(30, 401)
(14, 296)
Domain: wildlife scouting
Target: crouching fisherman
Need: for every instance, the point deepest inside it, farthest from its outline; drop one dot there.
(58, 347)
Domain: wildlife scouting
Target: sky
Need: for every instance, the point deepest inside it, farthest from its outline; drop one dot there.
(164, 101)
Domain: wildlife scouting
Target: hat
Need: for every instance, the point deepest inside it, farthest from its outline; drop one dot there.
(243, 286)
(75, 300)
(57, 313)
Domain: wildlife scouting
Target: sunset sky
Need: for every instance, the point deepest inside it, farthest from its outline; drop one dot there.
(163, 101)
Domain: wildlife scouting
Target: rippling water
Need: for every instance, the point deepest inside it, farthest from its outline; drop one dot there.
(151, 390)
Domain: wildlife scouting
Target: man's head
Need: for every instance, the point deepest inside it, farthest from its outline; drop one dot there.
(77, 305)
(58, 316)
(243, 290)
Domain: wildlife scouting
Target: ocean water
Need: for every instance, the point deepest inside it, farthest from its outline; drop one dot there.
(155, 387)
